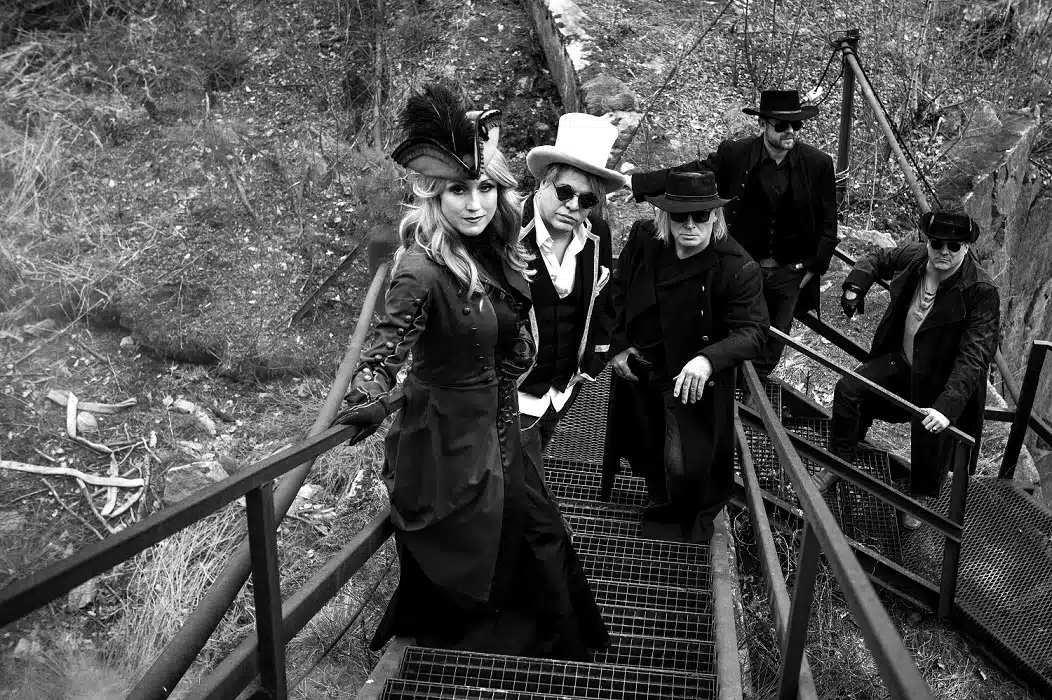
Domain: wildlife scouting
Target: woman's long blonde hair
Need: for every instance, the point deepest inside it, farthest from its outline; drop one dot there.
(663, 225)
(425, 226)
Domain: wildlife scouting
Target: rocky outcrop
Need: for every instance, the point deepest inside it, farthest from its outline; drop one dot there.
(992, 179)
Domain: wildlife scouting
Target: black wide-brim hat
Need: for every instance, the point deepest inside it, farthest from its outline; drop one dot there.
(949, 227)
(782, 104)
(689, 192)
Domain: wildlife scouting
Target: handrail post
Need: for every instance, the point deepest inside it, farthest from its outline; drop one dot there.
(266, 589)
(847, 105)
(951, 551)
(799, 614)
(1024, 407)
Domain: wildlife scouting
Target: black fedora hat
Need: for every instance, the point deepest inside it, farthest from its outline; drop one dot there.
(689, 192)
(782, 104)
(949, 227)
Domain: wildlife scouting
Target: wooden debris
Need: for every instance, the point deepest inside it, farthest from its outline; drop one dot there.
(92, 479)
(75, 514)
(61, 397)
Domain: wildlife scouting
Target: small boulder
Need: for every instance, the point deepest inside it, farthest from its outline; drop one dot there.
(182, 481)
(83, 595)
(605, 93)
(26, 648)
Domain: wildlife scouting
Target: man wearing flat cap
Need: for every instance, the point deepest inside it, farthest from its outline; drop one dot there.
(783, 210)
(933, 346)
(562, 226)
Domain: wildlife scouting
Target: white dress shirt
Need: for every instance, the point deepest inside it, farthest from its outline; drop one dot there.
(563, 274)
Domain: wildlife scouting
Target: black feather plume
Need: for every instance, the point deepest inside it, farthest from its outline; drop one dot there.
(438, 112)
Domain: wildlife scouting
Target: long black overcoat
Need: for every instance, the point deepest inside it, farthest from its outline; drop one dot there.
(813, 185)
(952, 350)
(733, 329)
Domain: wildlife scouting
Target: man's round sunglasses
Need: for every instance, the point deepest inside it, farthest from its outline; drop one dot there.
(585, 200)
(781, 126)
(938, 243)
(680, 217)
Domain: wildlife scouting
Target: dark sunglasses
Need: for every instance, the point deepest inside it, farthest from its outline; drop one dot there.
(781, 126)
(585, 200)
(680, 217)
(938, 243)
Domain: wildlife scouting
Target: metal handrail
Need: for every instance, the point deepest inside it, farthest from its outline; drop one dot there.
(177, 656)
(888, 396)
(961, 463)
(822, 534)
(772, 569)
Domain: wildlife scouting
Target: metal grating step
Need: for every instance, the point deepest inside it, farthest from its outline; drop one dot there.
(652, 597)
(580, 435)
(688, 656)
(773, 391)
(862, 516)
(670, 624)
(402, 689)
(603, 526)
(546, 676)
(587, 486)
(601, 510)
(644, 571)
(656, 551)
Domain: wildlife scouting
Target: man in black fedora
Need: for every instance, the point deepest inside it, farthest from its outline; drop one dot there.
(783, 211)
(933, 346)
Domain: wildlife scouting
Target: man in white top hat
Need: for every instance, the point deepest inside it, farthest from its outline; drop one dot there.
(562, 226)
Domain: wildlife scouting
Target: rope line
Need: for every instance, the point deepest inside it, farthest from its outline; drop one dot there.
(898, 136)
(668, 79)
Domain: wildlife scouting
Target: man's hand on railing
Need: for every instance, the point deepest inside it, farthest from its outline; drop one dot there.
(935, 422)
(852, 301)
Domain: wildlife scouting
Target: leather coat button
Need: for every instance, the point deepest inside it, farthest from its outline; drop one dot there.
(712, 383)
(702, 312)
(466, 311)
(408, 317)
(479, 357)
(703, 287)
(378, 356)
(401, 331)
(389, 343)
(704, 338)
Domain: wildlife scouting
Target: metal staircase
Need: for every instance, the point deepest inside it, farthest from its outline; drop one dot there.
(656, 598)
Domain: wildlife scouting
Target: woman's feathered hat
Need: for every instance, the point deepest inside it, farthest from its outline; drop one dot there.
(444, 137)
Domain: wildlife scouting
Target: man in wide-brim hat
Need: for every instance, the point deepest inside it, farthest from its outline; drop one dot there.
(562, 226)
(933, 346)
(784, 209)
(688, 311)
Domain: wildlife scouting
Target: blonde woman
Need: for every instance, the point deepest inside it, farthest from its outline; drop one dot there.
(688, 310)
(486, 564)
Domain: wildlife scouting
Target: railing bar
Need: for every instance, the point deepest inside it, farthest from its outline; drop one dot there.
(266, 590)
(894, 662)
(1000, 415)
(894, 399)
(28, 594)
(177, 656)
(951, 553)
(866, 482)
(772, 569)
(236, 671)
(795, 639)
(833, 335)
(851, 263)
(847, 102)
(1034, 364)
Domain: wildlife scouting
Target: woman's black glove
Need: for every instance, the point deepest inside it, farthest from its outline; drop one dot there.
(364, 405)
(519, 356)
(854, 305)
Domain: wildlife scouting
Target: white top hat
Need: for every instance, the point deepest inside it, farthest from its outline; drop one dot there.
(583, 141)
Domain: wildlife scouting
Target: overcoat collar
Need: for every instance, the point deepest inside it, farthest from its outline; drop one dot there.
(949, 304)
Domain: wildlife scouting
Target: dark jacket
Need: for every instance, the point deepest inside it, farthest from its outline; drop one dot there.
(952, 350)
(446, 450)
(595, 262)
(813, 186)
(733, 329)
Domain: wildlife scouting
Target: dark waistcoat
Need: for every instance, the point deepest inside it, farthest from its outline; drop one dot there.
(560, 323)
